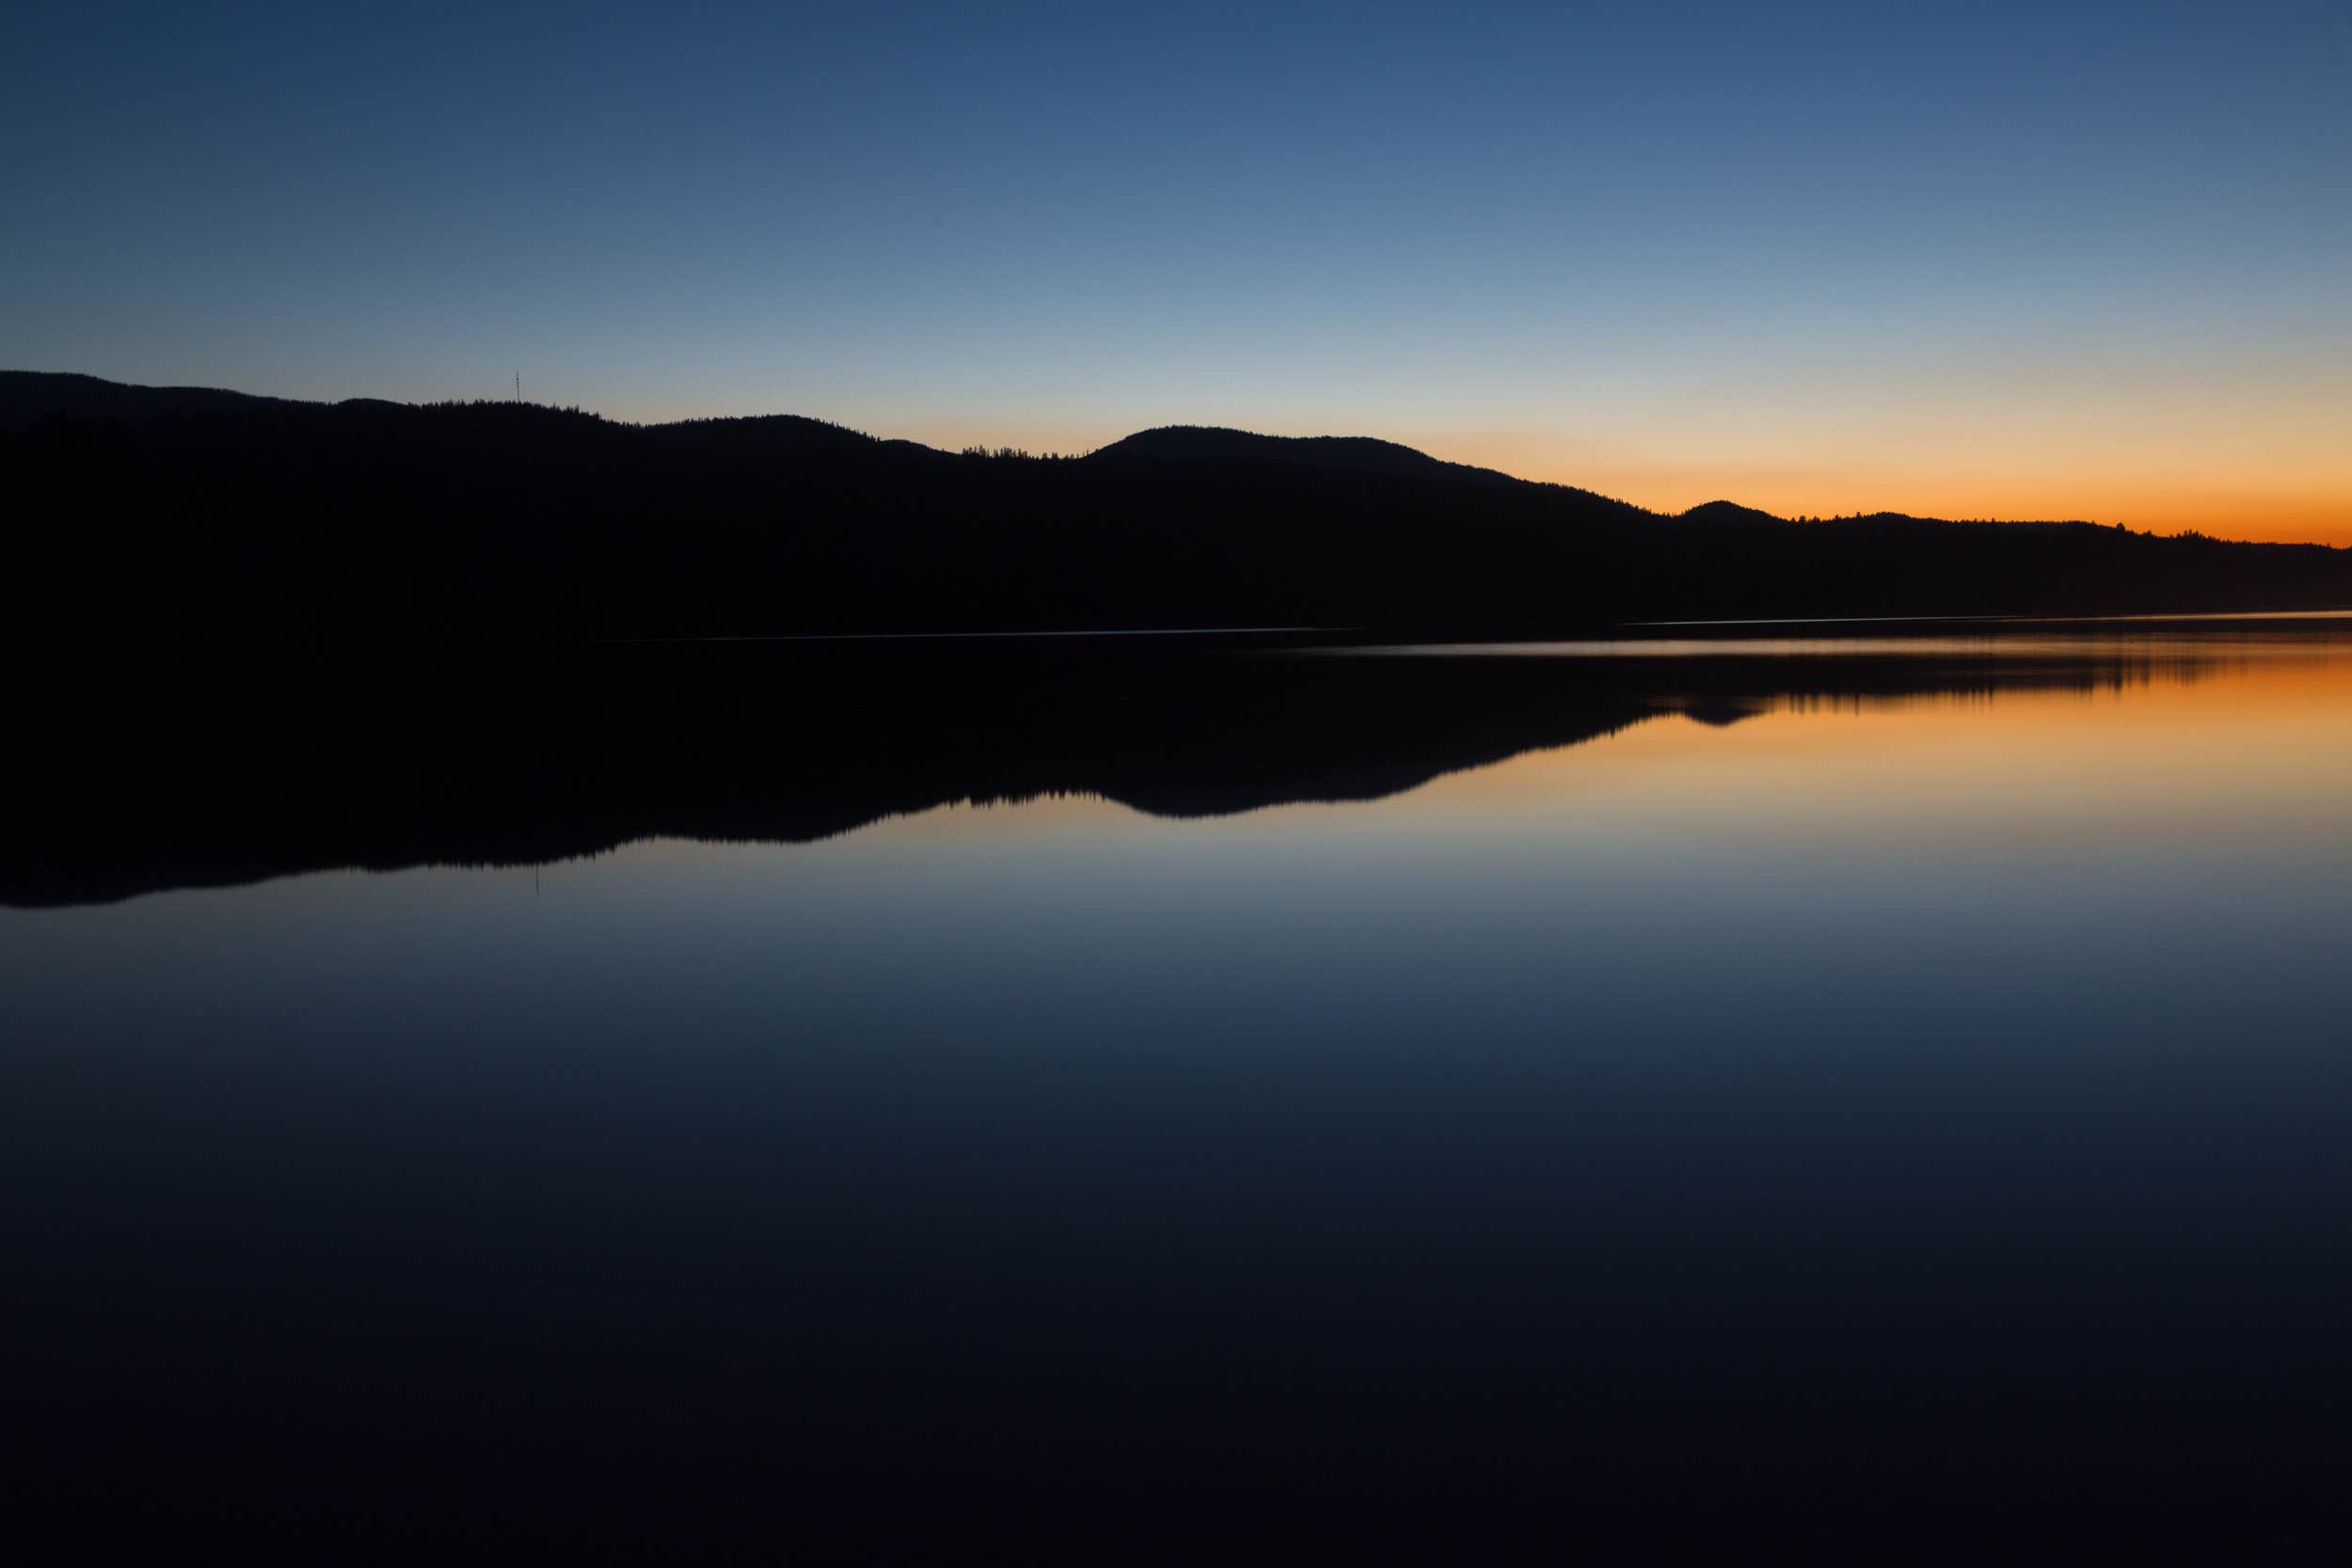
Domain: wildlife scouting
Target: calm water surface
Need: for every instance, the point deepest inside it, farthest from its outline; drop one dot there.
(1933, 1083)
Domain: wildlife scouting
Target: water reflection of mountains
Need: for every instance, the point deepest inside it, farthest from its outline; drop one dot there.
(212, 778)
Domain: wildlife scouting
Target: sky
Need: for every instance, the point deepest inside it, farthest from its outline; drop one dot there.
(2044, 260)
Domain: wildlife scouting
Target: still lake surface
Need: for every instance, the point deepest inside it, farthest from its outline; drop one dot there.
(1812, 1088)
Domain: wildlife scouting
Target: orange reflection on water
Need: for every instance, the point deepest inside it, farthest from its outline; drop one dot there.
(2252, 729)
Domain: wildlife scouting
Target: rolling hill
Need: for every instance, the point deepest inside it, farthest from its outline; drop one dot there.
(202, 516)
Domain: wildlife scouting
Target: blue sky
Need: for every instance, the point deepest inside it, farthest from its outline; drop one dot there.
(2087, 260)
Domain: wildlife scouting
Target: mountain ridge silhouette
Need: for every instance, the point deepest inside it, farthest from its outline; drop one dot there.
(28, 396)
(197, 514)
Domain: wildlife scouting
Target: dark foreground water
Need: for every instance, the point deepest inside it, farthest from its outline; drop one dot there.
(1773, 1090)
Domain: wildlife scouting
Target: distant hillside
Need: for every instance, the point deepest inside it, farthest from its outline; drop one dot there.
(1343, 453)
(27, 395)
(195, 513)
(1726, 513)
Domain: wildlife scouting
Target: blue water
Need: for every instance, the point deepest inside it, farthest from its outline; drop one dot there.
(1920, 1090)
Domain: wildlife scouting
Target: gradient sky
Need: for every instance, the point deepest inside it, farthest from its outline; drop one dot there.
(1987, 260)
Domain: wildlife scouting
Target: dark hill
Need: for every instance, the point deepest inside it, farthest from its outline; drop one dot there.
(197, 515)
(1344, 453)
(27, 395)
(771, 434)
(1728, 513)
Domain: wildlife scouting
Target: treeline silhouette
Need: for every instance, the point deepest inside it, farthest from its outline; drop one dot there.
(190, 514)
(172, 775)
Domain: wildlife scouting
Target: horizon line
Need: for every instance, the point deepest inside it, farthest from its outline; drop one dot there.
(1011, 449)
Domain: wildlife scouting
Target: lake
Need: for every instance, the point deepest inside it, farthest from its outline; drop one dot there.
(1745, 1083)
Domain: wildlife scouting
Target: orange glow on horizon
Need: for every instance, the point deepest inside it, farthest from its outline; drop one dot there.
(2296, 501)
(2249, 513)
(2286, 508)
(2276, 471)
